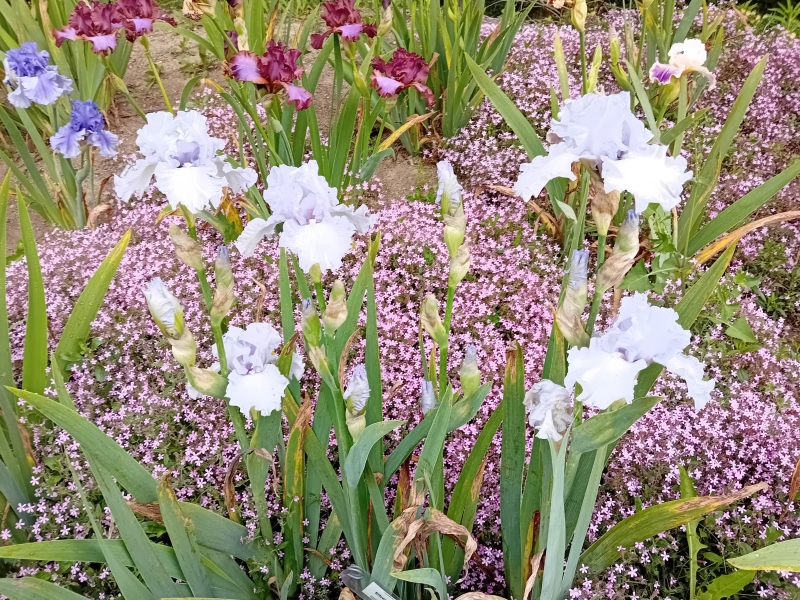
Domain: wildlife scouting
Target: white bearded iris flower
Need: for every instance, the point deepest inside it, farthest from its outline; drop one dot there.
(684, 57)
(357, 392)
(602, 132)
(549, 409)
(649, 174)
(604, 377)
(254, 380)
(185, 161)
(653, 334)
(641, 335)
(316, 227)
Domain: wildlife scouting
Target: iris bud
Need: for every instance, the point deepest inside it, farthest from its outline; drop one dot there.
(455, 228)
(186, 249)
(310, 324)
(570, 311)
(207, 382)
(579, 11)
(336, 309)
(604, 206)
(469, 374)
(459, 266)
(429, 316)
(427, 399)
(625, 249)
(385, 24)
(224, 296)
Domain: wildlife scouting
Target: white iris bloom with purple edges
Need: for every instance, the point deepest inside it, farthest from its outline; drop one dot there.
(86, 123)
(602, 132)
(254, 380)
(31, 77)
(688, 56)
(641, 335)
(185, 161)
(317, 228)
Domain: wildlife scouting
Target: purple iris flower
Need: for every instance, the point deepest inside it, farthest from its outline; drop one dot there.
(32, 78)
(86, 123)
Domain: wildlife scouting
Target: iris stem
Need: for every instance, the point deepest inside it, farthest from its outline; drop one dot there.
(156, 75)
(208, 299)
(584, 77)
(443, 350)
(598, 295)
(683, 104)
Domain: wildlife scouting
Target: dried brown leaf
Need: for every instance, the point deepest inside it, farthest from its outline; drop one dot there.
(148, 511)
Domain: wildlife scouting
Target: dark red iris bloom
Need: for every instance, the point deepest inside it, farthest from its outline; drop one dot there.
(99, 22)
(275, 70)
(139, 15)
(95, 22)
(342, 17)
(405, 70)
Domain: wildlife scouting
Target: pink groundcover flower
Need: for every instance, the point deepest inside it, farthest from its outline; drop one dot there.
(342, 17)
(100, 22)
(275, 70)
(405, 70)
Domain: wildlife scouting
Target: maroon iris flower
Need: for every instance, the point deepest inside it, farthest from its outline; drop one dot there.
(405, 70)
(95, 22)
(139, 15)
(342, 17)
(99, 22)
(275, 70)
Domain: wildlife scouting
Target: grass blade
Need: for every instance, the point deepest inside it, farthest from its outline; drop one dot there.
(512, 463)
(183, 540)
(652, 521)
(80, 320)
(34, 363)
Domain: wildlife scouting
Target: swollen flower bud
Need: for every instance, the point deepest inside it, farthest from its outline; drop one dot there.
(224, 295)
(469, 374)
(206, 381)
(427, 400)
(570, 311)
(356, 423)
(385, 24)
(448, 196)
(315, 272)
(614, 45)
(356, 395)
(361, 83)
(579, 11)
(604, 206)
(310, 324)
(429, 316)
(459, 266)
(625, 249)
(455, 228)
(336, 310)
(184, 349)
(167, 312)
(357, 392)
(186, 249)
(165, 308)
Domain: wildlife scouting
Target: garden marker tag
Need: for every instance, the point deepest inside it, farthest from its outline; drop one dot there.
(355, 577)
(375, 592)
